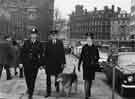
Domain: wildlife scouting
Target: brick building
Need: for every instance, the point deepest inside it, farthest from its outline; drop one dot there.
(96, 21)
(120, 26)
(19, 16)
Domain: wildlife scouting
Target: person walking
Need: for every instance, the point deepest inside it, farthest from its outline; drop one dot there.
(54, 60)
(6, 55)
(31, 54)
(89, 57)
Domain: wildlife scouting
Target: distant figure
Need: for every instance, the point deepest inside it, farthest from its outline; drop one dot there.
(89, 57)
(6, 55)
(31, 54)
(54, 60)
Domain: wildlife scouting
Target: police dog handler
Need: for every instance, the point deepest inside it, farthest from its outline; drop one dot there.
(89, 57)
(31, 54)
(54, 60)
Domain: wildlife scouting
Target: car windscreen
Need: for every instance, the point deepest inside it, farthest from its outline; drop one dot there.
(103, 55)
(126, 59)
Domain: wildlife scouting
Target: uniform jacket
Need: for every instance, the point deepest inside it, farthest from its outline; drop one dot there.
(31, 54)
(54, 57)
(89, 57)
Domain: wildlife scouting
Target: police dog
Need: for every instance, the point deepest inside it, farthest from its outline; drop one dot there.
(67, 80)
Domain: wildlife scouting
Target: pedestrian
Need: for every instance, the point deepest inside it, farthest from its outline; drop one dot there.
(16, 48)
(31, 54)
(89, 57)
(54, 60)
(6, 55)
(20, 66)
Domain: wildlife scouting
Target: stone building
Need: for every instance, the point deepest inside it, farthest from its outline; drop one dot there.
(22, 15)
(132, 18)
(96, 21)
(120, 26)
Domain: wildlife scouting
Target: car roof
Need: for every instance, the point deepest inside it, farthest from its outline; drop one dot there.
(124, 53)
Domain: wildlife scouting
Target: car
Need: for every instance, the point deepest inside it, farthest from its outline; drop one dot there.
(125, 49)
(124, 65)
(103, 58)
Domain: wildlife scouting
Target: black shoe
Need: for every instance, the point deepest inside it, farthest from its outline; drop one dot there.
(57, 89)
(47, 95)
(86, 97)
(30, 97)
(9, 78)
(20, 76)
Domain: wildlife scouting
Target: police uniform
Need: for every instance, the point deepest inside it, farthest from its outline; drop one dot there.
(54, 60)
(89, 57)
(31, 54)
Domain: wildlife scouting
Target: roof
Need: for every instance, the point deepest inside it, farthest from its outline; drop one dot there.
(124, 53)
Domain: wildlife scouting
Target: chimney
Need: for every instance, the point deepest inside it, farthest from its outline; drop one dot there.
(95, 9)
(118, 9)
(106, 8)
(79, 10)
(85, 11)
(113, 7)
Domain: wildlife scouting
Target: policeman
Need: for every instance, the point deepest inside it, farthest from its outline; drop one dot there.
(31, 53)
(54, 60)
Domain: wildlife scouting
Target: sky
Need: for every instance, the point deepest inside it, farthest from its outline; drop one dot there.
(67, 6)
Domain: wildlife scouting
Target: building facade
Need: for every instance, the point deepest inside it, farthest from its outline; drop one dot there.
(96, 21)
(132, 18)
(19, 16)
(120, 26)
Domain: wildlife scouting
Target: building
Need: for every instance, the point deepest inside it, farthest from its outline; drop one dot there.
(132, 18)
(120, 26)
(19, 16)
(96, 21)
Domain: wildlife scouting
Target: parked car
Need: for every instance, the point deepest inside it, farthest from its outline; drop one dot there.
(125, 49)
(103, 59)
(124, 64)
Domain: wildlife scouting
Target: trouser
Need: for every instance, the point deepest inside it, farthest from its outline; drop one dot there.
(48, 84)
(20, 71)
(7, 71)
(87, 88)
(30, 77)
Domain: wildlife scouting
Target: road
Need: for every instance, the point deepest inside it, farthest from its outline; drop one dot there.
(15, 89)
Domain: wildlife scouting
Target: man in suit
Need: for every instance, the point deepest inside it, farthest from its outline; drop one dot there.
(54, 60)
(31, 54)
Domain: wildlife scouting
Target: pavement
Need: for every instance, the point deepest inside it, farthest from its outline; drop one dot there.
(15, 89)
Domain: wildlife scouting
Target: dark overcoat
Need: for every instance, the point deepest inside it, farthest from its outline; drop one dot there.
(31, 54)
(7, 53)
(89, 57)
(54, 57)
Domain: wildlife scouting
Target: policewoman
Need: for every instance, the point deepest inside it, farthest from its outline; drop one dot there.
(89, 57)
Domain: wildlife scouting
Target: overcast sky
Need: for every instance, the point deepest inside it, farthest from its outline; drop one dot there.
(67, 6)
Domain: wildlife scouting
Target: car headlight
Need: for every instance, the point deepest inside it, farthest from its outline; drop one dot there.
(130, 79)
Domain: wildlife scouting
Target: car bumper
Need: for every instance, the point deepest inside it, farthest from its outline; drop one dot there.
(128, 86)
(127, 90)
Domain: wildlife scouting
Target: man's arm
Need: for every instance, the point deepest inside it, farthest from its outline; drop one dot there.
(63, 60)
(97, 54)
